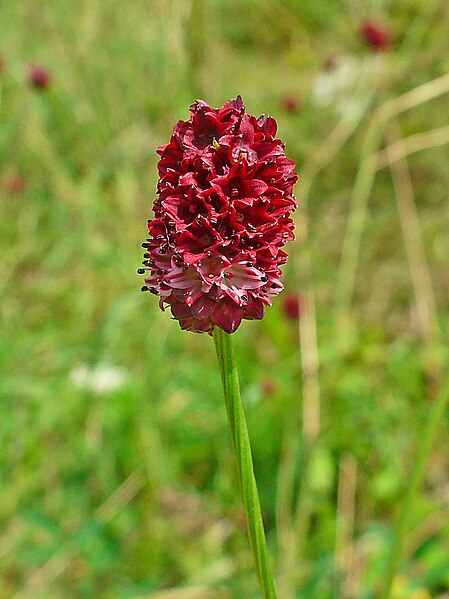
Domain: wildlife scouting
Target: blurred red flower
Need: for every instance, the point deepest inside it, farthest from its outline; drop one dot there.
(38, 76)
(222, 216)
(14, 184)
(330, 63)
(290, 103)
(268, 387)
(291, 307)
(377, 35)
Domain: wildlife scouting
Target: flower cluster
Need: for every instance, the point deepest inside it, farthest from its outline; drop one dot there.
(222, 215)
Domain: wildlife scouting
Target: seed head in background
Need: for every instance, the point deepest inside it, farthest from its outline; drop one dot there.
(225, 195)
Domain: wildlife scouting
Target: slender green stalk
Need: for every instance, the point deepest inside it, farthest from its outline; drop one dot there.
(244, 460)
(429, 435)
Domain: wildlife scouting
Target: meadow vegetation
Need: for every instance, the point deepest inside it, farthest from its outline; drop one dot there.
(117, 474)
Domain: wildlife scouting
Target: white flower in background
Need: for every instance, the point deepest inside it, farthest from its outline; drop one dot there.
(349, 86)
(99, 379)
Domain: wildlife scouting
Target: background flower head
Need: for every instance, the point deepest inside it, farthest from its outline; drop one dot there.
(376, 34)
(38, 76)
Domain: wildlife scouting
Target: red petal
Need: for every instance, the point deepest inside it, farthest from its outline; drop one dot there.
(228, 317)
(254, 188)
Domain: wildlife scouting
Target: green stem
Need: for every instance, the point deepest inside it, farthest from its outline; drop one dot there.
(244, 460)
(428, 439)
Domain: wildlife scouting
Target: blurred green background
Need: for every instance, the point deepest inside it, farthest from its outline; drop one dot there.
(117, 476)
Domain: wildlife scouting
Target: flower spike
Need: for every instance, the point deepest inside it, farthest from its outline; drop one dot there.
(222, 215)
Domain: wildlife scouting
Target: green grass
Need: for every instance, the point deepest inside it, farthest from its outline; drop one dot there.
(133, 493)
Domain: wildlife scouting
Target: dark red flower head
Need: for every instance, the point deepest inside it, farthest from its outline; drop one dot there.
(377, 35)
(38, 76)
(222, 216)
(290, 103)
(15, 184)
(291, 307)
(331, 63)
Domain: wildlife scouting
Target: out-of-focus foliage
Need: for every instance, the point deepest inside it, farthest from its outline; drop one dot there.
(116, 468)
